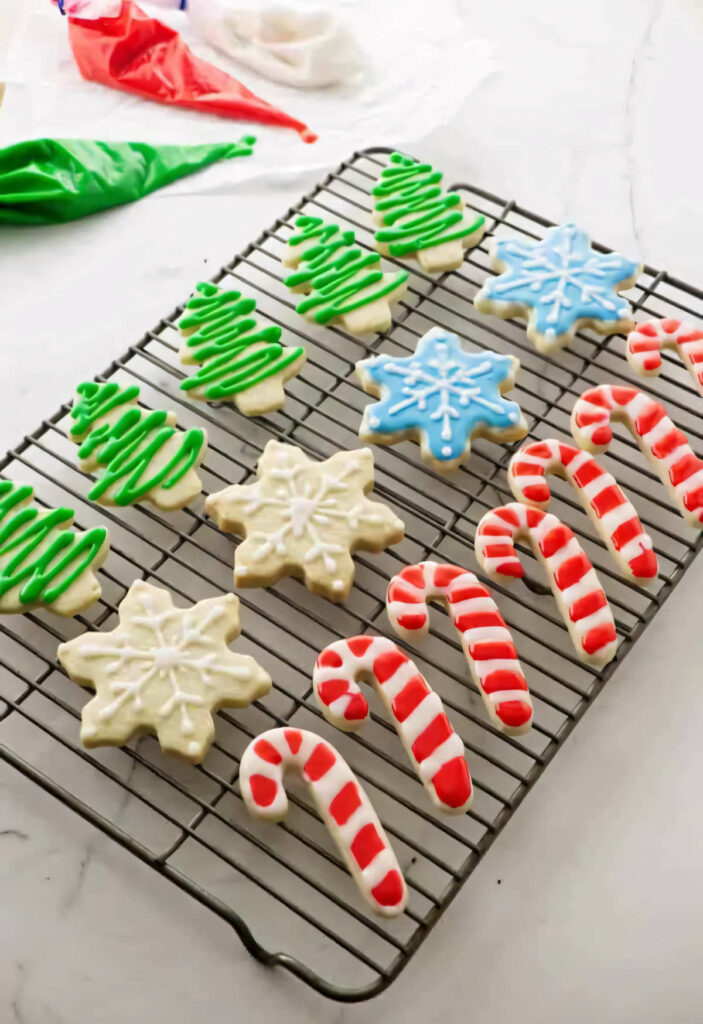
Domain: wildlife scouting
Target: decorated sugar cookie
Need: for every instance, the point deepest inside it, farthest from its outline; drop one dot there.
(138, 454)
(442, 397)
(645, 344)
(239, 360)
(343, 806)
(341, 282)
(558, 285)
(43, 561)
(304, 518)
(418, 218)
(163, 670)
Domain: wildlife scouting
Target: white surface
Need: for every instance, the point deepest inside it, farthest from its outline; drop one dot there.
(599, 913)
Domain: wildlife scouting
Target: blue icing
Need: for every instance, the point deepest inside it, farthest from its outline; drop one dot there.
(443, 391)
(562, 279)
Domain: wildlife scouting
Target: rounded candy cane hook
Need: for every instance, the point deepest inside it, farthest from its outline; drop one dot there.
(665, 447)
(343, 806)
(611, 512)
(435, 750)
(575, 585)
(485, 638)
(645, 343)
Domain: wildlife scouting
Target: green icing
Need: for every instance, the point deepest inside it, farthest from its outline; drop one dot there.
(412, 191)
(45, 570)
(126, 446)
(335, 271)
(234, 352)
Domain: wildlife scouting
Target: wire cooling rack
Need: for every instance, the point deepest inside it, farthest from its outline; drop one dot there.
(283, 888)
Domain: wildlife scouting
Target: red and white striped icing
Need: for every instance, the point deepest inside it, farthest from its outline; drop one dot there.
(485, 638)
(665, 447)
(435, 750)
(573, 580)
(342, 803)
(645, 343)
(613, 514)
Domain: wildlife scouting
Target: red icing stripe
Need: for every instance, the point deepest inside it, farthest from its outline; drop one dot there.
(513, 712)
(555, 540)
(667, 444)
(398, 592)
(694, 499)
(412, 620)
(329, 659)
(263, 790)
(644, 565)
(528, 468)
(623, 396)
(366, 845)
(503, 679)
(540, 450)
(648, 419)
(588, 472)
(473, 620)
(648, 328)
(596, 397)
(571, 570)
(319, 762)
(587, 605)
(609, 498)
(536, 492)
(511, 569)
(413, 574)
(267, 752)
(452, 782)
(357, 708)
(598, 637)
(444, 574)
(488, 650)
(294, 738)
(670, 326)
(684, 468)
(467, 591)
(389, 891)
(345, 803)
(332, 689)
(587, 419)
(644, 345)
(507, 515)
(626, 532)
(359, 645)
(533, 516)
(412, 694)
(386, 664)
(490, 530)
(430, 738)
(498, 551)
(567, 452)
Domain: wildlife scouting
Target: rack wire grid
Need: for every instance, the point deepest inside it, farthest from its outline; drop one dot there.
(283, 888)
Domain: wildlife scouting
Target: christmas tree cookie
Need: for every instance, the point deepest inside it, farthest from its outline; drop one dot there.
(239, 360)
(43, 562)
(341, 283)
(137, 454)
(304, 518)
(559, 285)
(418, 218)
(442, 397)
(163, 670)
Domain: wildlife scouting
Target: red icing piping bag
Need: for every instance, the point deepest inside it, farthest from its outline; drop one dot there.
(139, 54)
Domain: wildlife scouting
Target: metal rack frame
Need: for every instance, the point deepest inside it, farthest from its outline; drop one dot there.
(284, 887)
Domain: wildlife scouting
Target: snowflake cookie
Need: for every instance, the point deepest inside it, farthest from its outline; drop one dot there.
(441, 396)
(163, 670)
(304, 518)
(559, 285)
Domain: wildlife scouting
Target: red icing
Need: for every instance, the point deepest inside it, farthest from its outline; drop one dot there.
(359, 645)
(653, 413)
(430, 738)
(398, 592)
(366, 845)
(389, 891)
(534, 517)
(294, 738)
(555, 540)
(609, 498)
(508, 515)
(386, 664)
(319, 762)
(601, 436)
(587, 605)
(498, 551)
(329, 659)
(694, 499)
(412, 621)
(490, 530)
(514, 712)
(567, 452)
(536, 492)
(598, 637)
(684, 468)
(571, 570)
(263, 790)
(503, 679)
(444, 574)
(412, 694)
(452, 782)
(413, 574)
(331, 689)
(510, 569)
(648, 328)
(626, 532)
(644, 565)
(357, 708)
(528, 468)
(467, 591)
(596, 397)
(670, 326)
(589, 471)
(621, 396)
(267, 752)
(472, 620)
(484, 650)
(345, 803)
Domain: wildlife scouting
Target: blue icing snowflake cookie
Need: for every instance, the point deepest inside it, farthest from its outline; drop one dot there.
(441, 396)
(559, 285)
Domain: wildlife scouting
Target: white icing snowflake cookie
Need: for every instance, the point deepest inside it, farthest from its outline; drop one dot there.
(305, 518)
(558, 285)
(441, 396)
(163, 670)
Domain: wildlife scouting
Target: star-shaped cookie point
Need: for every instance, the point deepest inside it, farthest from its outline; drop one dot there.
(304, 518)
(559, 285)
(163, 670)
(441, 396)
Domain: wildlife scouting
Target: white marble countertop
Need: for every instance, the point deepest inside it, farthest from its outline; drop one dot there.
(598, 915)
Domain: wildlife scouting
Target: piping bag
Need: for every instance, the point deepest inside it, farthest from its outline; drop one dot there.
(142, 55)
(50, 181)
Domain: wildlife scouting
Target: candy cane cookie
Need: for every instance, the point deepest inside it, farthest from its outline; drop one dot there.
(485, 638)
(342, 803)
(436, 752)
(575, 585)
(664, 446)
(612, 514)
(645, 343)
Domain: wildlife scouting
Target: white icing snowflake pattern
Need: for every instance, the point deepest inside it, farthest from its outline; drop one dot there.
(165, 670)
(441, 391)
(561, 280)
(304, 517)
